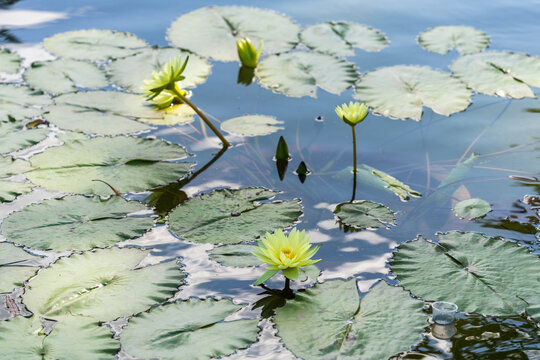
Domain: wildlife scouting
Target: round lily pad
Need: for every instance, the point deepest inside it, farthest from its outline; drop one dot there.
(252, 125)
(364, 214)
(12, 270)
(472, 208)
(9, 62)
(465, 39)
(14, 136)
(19, 102)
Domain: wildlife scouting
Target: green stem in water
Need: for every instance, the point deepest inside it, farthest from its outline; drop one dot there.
(354, 163)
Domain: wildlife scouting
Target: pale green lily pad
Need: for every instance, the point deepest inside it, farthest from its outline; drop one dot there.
(10, 166)
(499, 73)
(397, 187)
(64, 75)
(472, 208)
(9, 190)
(9, 62)
(128, 164)
(479, 274)
(130, 72)
(212, 31)
(252, 125)
(300, 73)
(12, 273)
(101, 285)
(401, 91)
(93, 45)
(193, 329)
(341, 38)
(76, 223)
(19, 102)
(232, 216)
(14, 136)
(329, 321)
(237, 255)
(363, 214)
(22, 339)
(465, 39)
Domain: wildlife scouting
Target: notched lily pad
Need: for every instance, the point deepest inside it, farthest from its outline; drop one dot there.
(13, 272)
(363, 214)
(465, 39)
(340, 38)
(212, 31)
(192, 329)
(252, 125)
(9, 62)
(300, 73)
(401, 91)
(472, 208)
(232, 216)
(19, 103)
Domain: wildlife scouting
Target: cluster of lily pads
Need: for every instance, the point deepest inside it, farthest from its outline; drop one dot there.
(75, 298)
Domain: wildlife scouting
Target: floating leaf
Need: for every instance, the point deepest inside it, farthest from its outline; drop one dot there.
(93, 45)
(238, 255)
(472, 208)
(499, 73)
(101, 285)
(465, 39)
(10, 166)
(193, 329)
(340, 38)
(213, 31)
(9, 62)
(130, 72)
(232, 216)
(329, 321)
(19, 102)
(400, 91)
(9, 190)
(129, 164)
(12, 273)
(299, 73)
(397, 187)
(480, 274)
(252, 125)
(73, 338)
(76, 223)
(364, 214)
(14, 136)
(64, 75)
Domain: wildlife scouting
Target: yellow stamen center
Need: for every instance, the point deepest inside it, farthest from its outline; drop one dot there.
(288, 253)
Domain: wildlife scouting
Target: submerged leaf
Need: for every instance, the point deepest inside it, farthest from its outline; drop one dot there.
(397, 187)
(19, 103)
(9, 62)
(465, 39)
(472, 208)
(364, 214)
(252, 125)
(12, 272)
(238, 255)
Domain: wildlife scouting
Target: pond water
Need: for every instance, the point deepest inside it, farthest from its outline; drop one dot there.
(503, 133)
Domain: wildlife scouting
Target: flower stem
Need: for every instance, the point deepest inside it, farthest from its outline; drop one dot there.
(287, 291)
(196, 109)
(354, 163)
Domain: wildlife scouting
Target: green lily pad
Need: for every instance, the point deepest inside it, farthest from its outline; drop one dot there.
(237, 255)
(472, 208)
(130, 72)
(128, 164)
(364, 214)
(23, 339)
(397, 187)
(340, 38)
(9, 190)
(101, 285)
(76, 223)
(12, 273)
(93, 45)
(252, 125)
(465, 39)
(64, 75)
(212, 31)
(499, 73)
(9, 62)
(193, 329)
(401, 91)
(479, 274)
(330, 321)
(14, 136)
(10, 166)
(299, 73)
(19, 102)
(232, 216)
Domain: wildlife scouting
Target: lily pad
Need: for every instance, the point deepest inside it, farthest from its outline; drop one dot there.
(76, 223)
(472, 208)
(193, 329)
(12, 272)
(401, 91)
(232, 216)
(23, 339)
(10, 166)
(340, 38)
(14, 136)
(9, 62)
(479, 274)
(128, 164)
(252, 125)
(237, 255)
(465, 39)
(212, 31)
(299, 73)
(499, 73)
(19, 102)
(101, 285)
(364, 214)
(64, 75)
(9, 190)
(130, 72)
(330, 321)
(93, 45)
(397, 187)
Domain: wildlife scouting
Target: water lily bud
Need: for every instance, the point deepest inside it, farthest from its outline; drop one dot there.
(249, 56)
(353, 113)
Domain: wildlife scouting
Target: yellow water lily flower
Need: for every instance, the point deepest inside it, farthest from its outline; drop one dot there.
(285, 253)
(353, 113)
(249, 56)
(161, 88)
